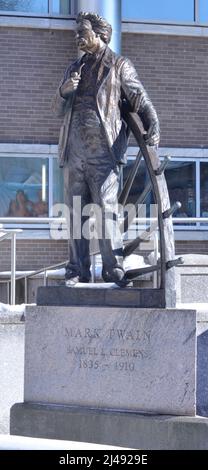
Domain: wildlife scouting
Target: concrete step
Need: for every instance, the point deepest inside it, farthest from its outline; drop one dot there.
(30, 443)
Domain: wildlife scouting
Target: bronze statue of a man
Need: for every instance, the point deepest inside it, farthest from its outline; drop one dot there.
(93, 139)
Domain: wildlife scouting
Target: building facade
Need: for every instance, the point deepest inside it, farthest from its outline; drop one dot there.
(168, 44)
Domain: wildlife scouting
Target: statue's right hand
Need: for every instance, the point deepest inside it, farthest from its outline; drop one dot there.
(70, 85)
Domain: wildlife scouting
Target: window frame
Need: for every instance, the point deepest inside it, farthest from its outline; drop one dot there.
(50, 159)
(198, 226)
(196, 19)
(50, 153)
(33, 14)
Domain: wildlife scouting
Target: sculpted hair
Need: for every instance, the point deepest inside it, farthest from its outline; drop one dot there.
(99, 25)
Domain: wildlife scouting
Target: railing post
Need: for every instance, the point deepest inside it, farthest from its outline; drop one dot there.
(93, 268)
(44, 278)
(25, 290)
(156, 252)
(13, 267)
(8, 291)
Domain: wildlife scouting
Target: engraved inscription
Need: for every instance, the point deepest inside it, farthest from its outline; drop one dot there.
(85, 333)
(120, 334)
(118, 350)
(115, 366)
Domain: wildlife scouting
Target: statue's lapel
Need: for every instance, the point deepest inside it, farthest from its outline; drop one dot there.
(105, 66)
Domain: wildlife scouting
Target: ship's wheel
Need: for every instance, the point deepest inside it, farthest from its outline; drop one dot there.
(164, 295)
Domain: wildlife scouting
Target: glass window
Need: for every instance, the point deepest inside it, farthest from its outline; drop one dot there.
(61, 7)
(23, 187)
(204, 189)
(147, 209)
(36, 6)
(56, 7)
(203, 11)
(164, 10)
(140, 181)
(181, 181)
(58, 185)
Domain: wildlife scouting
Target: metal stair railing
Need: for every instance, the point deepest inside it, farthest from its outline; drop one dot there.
(7, 233)
(11, 234)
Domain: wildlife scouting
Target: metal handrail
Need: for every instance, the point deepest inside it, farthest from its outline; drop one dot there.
(39, 271)
(62, 220)
(33, 274)
(190, 220)
(12, 234)
(30, 220)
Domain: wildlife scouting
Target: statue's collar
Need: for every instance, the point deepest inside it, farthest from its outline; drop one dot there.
(96, 55)
(105, 54)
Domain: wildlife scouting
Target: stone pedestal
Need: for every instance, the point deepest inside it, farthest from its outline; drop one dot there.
(123, 429)
(111, 358)
(192, 279)
(11, 361)
(93, 373)
(101, 294)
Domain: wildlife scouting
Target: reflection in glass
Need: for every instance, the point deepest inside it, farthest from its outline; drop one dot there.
(140, 181)
(23, 187)
(36, 6)
(172, 10)
(181, 181)
(204, 189)
(203, 11)
(58, 184)
(147, 209)
(62, 7)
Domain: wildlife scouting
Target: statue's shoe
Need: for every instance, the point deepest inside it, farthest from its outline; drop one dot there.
(115, 274)
(72, 282)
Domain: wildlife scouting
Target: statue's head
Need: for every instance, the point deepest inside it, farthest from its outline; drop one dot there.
(89, 27)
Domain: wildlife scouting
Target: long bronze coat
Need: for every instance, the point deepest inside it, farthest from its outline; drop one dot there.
(117, 79)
